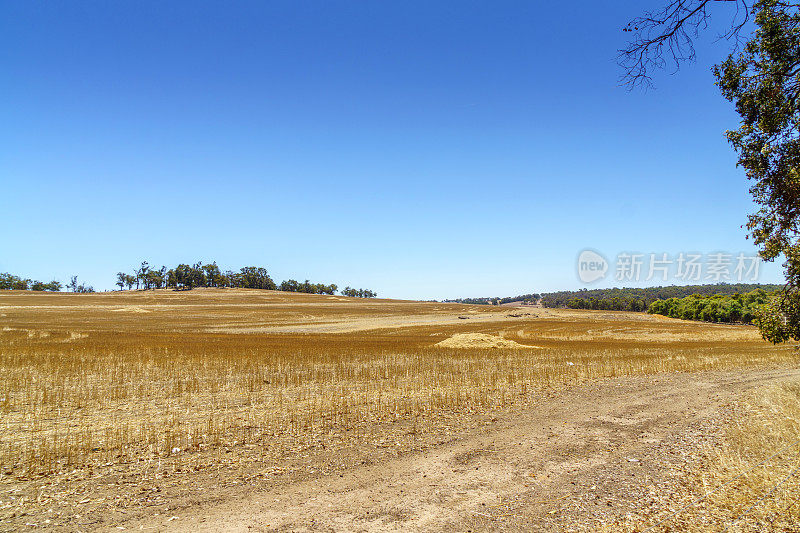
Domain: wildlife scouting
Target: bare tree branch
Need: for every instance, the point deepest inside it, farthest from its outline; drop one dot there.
(667, 36)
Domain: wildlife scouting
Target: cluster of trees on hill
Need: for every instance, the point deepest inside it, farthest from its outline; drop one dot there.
(358, 293)
(715, 308)
(526, 298)
(307, 287)
(640, 299)
(12, 282)
(187, 277)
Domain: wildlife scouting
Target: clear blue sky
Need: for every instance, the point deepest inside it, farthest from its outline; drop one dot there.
(421, 149)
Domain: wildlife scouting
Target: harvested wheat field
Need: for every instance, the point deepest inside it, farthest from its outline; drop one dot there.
(233, 409)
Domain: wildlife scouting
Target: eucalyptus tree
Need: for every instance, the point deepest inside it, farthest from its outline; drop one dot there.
(761, 77)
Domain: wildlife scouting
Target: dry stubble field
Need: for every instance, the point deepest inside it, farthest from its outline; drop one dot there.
(124, 405)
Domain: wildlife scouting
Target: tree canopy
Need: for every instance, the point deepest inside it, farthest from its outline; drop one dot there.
(762, 80)
(715, 308)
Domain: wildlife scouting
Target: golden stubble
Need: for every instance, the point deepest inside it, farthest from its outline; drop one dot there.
(163, 381)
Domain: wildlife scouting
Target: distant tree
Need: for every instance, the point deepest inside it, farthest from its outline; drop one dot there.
(183, 277)
(85, 288)
(213, 275)
(155, 279)
(233, 279)
(256, 278)
(359, 293)
(198, 275)
(11, 282)
(141, 275)
(121, 277)
(171, 280)
(53, 286)
(73, 284)
(289, 285)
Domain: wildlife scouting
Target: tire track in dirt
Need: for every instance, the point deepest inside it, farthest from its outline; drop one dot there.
(515, 474)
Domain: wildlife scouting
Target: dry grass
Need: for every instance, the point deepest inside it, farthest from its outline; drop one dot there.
(764, 448)
(145, 386)
(747, 480)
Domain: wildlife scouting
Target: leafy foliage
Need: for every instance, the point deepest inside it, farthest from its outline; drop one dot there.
(715, 308)
(763, 81)
(779, 319)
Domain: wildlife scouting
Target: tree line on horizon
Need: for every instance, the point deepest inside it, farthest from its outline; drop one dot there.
(187, 277)
(497, 300)
(10, 282)
(720, 302)
(640, 299)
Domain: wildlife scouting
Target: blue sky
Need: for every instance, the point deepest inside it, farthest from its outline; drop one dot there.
(421, 149)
